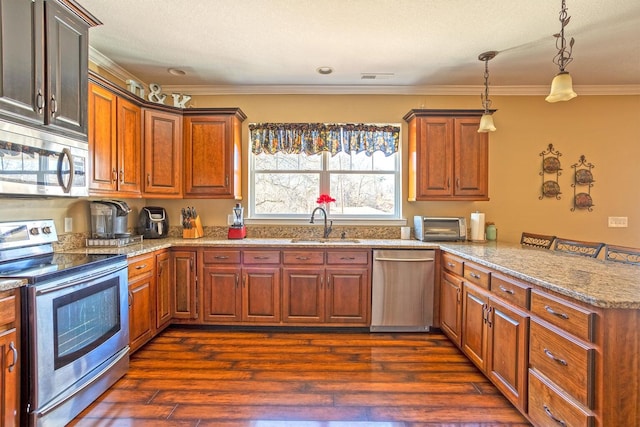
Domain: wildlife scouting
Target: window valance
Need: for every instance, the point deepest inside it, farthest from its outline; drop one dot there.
(314, 138)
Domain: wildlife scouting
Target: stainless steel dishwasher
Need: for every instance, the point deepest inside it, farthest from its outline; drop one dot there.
(403, 290)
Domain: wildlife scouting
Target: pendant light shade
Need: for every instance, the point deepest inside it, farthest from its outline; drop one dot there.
(486, 121)
(562, 84)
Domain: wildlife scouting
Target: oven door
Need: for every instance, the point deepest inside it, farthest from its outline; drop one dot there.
(77, 326)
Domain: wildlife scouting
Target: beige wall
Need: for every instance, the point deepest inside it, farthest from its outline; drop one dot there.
(606, 129)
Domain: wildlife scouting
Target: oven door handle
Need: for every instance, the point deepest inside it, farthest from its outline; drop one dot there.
(83, 279)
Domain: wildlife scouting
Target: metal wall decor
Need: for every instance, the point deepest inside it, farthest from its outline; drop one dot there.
(550, 172)
(582, 183)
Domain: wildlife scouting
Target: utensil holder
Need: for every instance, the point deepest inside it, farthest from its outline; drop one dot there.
(196, 231)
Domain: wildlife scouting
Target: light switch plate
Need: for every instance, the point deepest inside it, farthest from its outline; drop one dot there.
(618, 221)
(68, 225)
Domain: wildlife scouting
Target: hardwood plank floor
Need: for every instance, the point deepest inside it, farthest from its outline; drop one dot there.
(223, 378)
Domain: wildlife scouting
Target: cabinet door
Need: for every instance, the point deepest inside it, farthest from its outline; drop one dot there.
(347, 295)
(184, 279)
(451, 307)
(209, 156)
(129, 154)
(67, 39)
(162, 154)
(103, 136)
(475, 303)
(21, 60)
(221, 294)
(9, 377)
(141, 316)
(164, 291)
(261, 294)
(434, 157)
(471, 159)
(303, 295)
(507, 354)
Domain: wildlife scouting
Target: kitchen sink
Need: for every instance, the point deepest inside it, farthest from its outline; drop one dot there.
(325, 240)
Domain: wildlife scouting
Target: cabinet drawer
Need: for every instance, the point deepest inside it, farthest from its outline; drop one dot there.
(140, 265)
(549, 407)
(452, 263)
(477, 275)
(566, 360)
(511, 290)
(304, 258)
(261, 257)
(347, 257)
(7, 309)
(221, 257)
(572, 318)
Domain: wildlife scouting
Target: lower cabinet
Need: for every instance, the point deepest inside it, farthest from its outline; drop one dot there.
(451, 307)
(164, 293)
(141, 308)
(185, 279)
(261, 294)
(9, 358)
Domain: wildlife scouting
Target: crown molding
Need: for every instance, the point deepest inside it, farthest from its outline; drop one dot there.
(111, 67)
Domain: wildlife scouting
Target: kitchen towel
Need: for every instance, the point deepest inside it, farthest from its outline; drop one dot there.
(477, 226)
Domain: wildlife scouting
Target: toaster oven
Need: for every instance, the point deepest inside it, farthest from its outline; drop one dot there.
(440, 229)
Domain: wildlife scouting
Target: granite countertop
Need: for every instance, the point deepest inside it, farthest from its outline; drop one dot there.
(8, 284)
(599, 283)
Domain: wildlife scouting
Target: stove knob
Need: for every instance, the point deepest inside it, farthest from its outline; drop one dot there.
(34, 231)
(46, 229)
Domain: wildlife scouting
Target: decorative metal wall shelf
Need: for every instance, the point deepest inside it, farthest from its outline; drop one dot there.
(582, 184)
(550, 172)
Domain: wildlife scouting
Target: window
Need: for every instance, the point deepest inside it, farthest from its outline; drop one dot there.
(363, 176)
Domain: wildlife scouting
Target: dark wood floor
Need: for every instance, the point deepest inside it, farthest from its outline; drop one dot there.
(195, 377)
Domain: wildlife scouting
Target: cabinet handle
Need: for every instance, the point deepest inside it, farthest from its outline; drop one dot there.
(121, 176)
(550, 415)
(458, 183)
(347, 258)
(451, 264)
(130, 298)
(244, 281)
(321, 281)
(148, 179)
(226, 180)
(506, 291)
(490, 316)
(14, 350)
(302, 258)
(555, 313)
(114, 175)
(39, 102)
(474, 275)
(237, 280)
(484, 313)
(140, 267)
(54, 105)
(554, 358)
(459, 292)
(260, 257)
(221, 257)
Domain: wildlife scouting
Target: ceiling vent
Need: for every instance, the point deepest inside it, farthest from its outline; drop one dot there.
(376, 76)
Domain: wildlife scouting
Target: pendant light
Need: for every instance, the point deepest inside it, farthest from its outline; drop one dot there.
(486, 121)
(562, 85)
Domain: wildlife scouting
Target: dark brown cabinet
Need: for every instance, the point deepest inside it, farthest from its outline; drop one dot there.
(212, 153)
(44, 63)
(184, 277)
(115, 144)
(9, 358)
(448, 158)
(162, 166)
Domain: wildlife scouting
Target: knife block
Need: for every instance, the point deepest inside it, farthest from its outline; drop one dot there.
(196, 231)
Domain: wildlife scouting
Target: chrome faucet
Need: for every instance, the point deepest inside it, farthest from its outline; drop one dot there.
(327, 230)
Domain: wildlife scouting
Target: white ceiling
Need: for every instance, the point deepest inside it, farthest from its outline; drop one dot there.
(257, 45)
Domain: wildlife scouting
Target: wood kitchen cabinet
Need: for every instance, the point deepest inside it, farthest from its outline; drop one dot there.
(162, 153)
(9, 358)
(185, 285)
(448, 158)
(261, 286)
(44, 62)
(212, 153)
(164, 290)
(142, 314)
(451, 297)
(115, 144)
(221, 291)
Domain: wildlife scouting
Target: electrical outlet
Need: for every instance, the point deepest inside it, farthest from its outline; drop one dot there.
(68, 225)
(618, 221)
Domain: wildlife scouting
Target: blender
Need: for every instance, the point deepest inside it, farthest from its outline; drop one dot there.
(237, 230)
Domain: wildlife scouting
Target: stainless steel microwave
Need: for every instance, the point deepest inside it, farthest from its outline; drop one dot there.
(440, 229)
(34, 163)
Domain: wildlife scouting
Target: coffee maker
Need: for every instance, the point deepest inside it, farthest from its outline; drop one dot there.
(237, 229)
(109, 219)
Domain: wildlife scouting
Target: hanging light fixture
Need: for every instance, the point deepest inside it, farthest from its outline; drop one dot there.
(486, 121)
(562, 85)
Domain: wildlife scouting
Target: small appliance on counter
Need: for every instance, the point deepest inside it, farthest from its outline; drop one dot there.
(109, 219)
(237, 229)
(191, 224)
(153, 222)
(440, 229)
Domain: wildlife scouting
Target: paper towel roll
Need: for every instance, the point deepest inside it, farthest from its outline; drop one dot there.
(477, 226)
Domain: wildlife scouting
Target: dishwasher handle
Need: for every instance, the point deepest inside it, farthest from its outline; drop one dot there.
(405, 259)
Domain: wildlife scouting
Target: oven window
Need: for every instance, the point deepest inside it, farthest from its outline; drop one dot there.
(84, 319)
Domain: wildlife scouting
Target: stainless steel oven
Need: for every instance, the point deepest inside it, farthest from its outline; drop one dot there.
(74, 320)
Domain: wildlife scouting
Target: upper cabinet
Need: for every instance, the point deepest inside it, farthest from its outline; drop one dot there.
(448, 158)
(212, 151)
(162, 166)
(43, 64)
